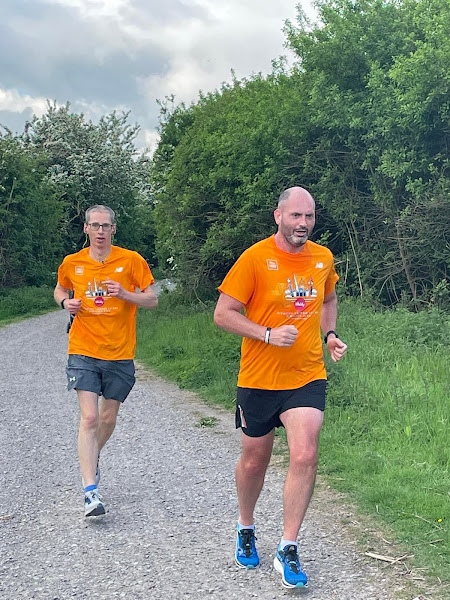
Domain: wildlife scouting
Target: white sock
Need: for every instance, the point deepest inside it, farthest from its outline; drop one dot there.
(245, 526)
(285, 543)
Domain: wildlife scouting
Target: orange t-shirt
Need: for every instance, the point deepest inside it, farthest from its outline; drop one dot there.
(280, 288)
(105, 326)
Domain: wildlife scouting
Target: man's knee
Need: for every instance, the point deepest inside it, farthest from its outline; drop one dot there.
(304, 458)
(254, 466)
(89, 421)
(108, 418)
(108, 412)
(256, 462)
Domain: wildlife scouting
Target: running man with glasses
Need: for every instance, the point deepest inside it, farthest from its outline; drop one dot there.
(102, 339)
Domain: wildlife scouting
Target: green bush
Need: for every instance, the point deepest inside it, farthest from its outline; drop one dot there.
(23, 302)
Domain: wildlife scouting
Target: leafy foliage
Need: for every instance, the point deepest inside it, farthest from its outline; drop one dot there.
(362, 121)
(50, 175)
(94, 164)
(221, 175)
(30, 216)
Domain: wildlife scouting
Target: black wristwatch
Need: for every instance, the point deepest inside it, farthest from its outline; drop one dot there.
(62, 302)
(325, 339)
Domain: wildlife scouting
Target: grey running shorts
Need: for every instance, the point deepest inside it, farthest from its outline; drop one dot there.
(258, 411)
(112, 379)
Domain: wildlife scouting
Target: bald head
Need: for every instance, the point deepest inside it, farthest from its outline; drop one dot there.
(297, 192)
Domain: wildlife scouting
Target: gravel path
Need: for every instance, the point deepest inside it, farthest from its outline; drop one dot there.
(168, 484)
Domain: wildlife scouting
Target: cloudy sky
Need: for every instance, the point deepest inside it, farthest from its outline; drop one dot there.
(105, 55)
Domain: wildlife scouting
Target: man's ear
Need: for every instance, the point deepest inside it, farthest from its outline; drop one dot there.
(277, 215)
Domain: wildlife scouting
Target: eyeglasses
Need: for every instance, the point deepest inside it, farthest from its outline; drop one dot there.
(96, 226)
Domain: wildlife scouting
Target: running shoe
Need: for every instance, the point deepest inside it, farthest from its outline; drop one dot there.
(97, 474)
(288, 565)
(246, 554)
(93, 504)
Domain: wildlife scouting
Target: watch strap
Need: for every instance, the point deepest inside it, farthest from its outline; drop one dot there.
(325, 339)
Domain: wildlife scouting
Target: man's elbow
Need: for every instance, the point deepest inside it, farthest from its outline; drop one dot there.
(56, 292)
(218, 318)
(330, 298)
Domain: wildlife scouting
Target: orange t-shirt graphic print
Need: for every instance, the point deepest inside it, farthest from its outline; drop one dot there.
(105, 326)
(280, 288)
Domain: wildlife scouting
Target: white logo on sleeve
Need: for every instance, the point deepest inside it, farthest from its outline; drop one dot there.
(118, 270)
(319, 266)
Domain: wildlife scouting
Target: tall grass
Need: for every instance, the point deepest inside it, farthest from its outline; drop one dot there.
(386, 435)
(25, 302)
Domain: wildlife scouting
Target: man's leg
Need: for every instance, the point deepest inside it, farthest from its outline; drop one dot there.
(87, 435)
(250, 473)
(302, 428)
(109, 410)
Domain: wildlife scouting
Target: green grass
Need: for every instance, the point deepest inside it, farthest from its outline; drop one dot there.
(385, 440)
(386, 437)
(25, 302)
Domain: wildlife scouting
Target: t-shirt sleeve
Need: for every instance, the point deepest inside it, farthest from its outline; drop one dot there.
(331, 280)
(239, 283)
(142, 275)
(63, 276)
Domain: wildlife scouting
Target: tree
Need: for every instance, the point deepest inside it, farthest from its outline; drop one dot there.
(362, 121)
(96, 164)
(220, 166)
(378, 82)
(30, 217)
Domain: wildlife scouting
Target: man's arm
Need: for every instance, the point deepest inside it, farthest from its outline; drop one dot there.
(60, 293)
(145, 299)
(328, 320)
(228, 316)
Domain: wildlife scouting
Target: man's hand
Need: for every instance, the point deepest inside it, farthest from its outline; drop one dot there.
(283, 336)
(115, 289)
(73, 305)
(336, 348)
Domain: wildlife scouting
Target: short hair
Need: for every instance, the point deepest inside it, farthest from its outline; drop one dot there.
(284, 196)
(100, 208)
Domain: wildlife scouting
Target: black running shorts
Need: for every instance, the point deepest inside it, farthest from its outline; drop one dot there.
(112, 379)
(258, 411)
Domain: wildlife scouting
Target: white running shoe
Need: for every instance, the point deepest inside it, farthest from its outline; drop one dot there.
(93, 504)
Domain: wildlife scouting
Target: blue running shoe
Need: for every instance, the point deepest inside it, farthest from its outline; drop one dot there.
(246, 554)
(288, 565)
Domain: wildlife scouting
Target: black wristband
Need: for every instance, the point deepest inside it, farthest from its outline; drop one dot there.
(325, 339)
(62, 303)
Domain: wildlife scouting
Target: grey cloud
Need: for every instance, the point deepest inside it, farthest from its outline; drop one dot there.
(55, 51)
(151, 12)
(61, 56)
(14, 121)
